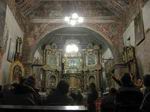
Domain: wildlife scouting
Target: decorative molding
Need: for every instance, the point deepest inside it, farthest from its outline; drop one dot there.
(102, 19)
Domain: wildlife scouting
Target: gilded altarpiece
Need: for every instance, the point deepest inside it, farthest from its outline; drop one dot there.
(91, 67)
(52, 67)
(73, 66)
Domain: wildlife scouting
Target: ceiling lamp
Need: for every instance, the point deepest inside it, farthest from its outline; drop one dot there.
(74, 19)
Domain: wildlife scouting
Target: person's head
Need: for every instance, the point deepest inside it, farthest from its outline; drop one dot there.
(92, 86)
(113, 91)
(21, 80)
(147, 80)
(63, 87)
(126, 80)
(30, 81)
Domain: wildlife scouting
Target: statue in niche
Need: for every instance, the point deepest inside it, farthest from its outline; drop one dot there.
(53, 81)
(91, 79)
(18, 47)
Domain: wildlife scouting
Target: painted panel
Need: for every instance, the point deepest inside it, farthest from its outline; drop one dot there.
(146, 16)
(129, 35)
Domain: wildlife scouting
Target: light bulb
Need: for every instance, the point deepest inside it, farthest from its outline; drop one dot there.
(72, 48)
(75, 16)
(80, 19)
(73, 22)
(67, 19)
(74, 19)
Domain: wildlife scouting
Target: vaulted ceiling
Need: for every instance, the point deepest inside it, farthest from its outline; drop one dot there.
(56, 9)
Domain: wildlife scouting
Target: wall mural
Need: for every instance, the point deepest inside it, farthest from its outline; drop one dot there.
(55, 9)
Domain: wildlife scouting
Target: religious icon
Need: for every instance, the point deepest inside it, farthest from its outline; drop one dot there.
(17, 73)
(91, 59)
(11, 51)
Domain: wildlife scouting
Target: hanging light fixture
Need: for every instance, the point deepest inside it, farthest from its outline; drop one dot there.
(74, 19)
(72, 48)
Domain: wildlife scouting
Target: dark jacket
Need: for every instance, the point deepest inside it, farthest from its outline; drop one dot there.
(145, 106)
(128, 99)
(57, 98)
(92, 96)
(108, 103)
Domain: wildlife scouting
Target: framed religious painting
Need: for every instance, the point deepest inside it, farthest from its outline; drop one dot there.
(139, 28)
(91, 59)
(52, 59)
(73, 64)
(11, 50)
(16, 71)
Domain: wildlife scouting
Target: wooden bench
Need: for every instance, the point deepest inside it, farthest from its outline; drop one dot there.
(22, 108)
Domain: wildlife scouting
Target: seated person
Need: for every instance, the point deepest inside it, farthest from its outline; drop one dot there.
(59, 96)
(129, 97)
(108, 101)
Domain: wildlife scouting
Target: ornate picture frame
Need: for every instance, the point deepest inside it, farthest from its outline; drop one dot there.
(53, 59)
(139, 28)
(11, 50)
(72, 64)
(91, 60)
(16, 71)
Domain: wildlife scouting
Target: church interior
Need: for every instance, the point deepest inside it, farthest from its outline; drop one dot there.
(79, 41)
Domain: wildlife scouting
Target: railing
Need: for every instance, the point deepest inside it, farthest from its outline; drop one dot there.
(22, 108)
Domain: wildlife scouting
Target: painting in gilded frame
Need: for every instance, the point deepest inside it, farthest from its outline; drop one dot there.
(73, 64)
(11, 50)
(52, 59)
(139, 29)
(91, 59)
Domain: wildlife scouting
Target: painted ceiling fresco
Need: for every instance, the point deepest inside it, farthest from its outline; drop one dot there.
(57, 8)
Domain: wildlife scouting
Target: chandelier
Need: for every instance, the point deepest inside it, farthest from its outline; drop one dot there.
(72, 48)
(74, 19)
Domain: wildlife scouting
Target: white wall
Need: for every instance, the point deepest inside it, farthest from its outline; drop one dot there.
(14, 31)
(129, 33)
